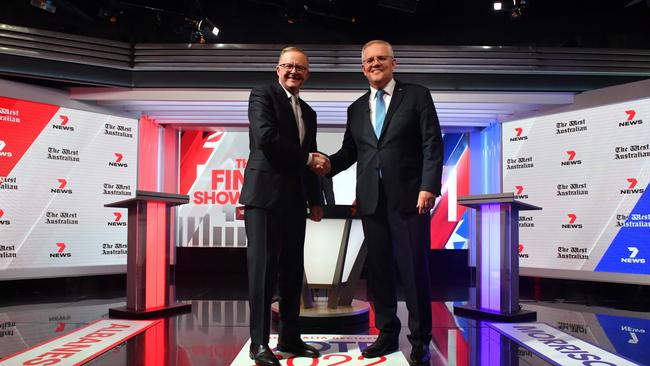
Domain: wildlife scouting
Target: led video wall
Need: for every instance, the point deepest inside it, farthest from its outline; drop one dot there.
(589, 171)
(212, 174)
(58, 167)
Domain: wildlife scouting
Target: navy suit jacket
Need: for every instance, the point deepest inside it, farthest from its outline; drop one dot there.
(276, 173)
(409, 151)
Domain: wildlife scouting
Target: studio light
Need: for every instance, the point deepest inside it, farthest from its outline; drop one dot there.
(518, 8)
(205, 26)
(498, 6)
(46, 5)
(203, 29)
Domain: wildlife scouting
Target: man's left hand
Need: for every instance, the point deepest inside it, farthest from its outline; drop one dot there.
(320, 164)
(426, 200)
(315, 213)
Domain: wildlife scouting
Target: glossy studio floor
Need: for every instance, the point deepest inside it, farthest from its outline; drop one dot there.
(613, 317)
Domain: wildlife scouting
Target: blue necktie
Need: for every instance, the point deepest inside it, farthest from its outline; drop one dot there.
(380, 112)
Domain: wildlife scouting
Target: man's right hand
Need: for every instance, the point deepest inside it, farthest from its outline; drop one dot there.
(320, 164)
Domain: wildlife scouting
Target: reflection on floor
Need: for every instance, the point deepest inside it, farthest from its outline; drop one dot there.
(216, 330)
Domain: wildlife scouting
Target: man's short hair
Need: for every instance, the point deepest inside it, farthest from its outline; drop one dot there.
(293, 49)
(377, 41)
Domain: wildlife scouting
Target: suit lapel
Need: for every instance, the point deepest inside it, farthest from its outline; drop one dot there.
(308, 121)
(395, 100)
(366, 123)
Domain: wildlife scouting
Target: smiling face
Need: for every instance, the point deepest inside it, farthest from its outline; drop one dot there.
(378, 64)
(292, 70)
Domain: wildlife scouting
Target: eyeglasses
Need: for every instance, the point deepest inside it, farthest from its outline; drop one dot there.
(289, 67)
(381, 59)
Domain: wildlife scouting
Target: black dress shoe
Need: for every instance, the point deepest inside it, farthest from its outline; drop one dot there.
(262, 355)
(298, 348)
(381, 347)
(420, 354)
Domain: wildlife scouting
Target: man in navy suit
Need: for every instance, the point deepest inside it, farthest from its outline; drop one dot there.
(394, 136)
(278, 189)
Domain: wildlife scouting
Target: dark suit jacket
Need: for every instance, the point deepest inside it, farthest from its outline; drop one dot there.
(409, 151)
(276, 174)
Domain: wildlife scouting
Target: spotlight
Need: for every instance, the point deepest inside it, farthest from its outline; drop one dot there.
(498, 6)
(46, 5)
(206, 26)
(293, 13)
(518, 8)
(203, 29)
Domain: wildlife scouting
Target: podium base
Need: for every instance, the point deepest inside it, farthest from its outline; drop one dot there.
(467, 311)
(343, 318)
(125, 313)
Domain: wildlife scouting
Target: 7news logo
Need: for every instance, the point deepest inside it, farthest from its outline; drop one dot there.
(631, 121)
(571, 159)
(519, 193)
(520, 250)
(63, 124)
(61, 188)
(633, 257)
(631, 187)
(4, 153)
(4, 221)
(117, 221)
(571, 222)
(519, 135)
(118, 161)
(60, 251)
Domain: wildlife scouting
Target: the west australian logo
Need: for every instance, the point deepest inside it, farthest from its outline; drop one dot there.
(634, 220)
(631, 119)
(9, 115)
(571, 159)
(5, 153)
(519, 135)
(573, 328)
(63, 154)
(572, 189)
(8, 183)
(523, 162)
(633, 151)
(118, 162)
(60, 251)
(633, 256)
(571, 223)
(118, 130)
(63, 183)
(576, 125)
(117, 220)
(572, 252)
(61, 218)
(117, 189)
(63, 124)
(632, 187)
(526, 221)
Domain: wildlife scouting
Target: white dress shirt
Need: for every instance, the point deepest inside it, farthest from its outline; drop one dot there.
(388, 94)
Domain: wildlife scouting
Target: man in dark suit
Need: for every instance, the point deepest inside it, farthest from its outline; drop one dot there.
(394, 136)
(278, 188)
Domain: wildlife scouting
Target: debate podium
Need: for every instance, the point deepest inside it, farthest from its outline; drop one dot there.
(149, 276)
(497, 258)
(334, 256)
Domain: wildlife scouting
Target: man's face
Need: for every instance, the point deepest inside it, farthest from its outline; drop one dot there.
(378, 65)
(292, 70)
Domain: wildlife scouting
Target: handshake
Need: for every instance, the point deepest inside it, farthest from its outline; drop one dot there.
(320, 164)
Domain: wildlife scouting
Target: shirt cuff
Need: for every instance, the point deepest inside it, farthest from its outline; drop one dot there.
(308, 159)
